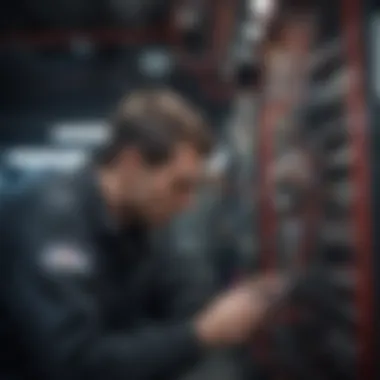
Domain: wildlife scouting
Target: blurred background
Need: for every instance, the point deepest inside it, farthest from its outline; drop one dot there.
(286, 86)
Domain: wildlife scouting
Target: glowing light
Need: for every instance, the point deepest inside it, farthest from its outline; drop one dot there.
(262, 8)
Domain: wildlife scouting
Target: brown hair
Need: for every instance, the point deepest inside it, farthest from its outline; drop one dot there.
(154, 121)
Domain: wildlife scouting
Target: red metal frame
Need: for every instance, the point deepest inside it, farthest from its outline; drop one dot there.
(361, 216)
(273, 110)
(268, 223)
(62, 38)
(352, 12)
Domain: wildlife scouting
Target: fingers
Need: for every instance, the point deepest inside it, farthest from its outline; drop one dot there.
(269, 287)
(275, 282)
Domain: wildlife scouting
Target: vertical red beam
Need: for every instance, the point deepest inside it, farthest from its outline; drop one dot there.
(224, 25)
(293, 43)
(268, 222)
(300, 38)
(352, 12)
(224, 17)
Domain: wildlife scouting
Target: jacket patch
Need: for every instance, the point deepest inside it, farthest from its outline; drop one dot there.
(65, 258)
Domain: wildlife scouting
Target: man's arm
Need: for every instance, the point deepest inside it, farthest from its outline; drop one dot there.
(53, 306)
(184, 281)
(187, 283)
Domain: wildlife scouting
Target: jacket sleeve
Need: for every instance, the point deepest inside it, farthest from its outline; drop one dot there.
(184, 281)
(186, 284)
(51, 300)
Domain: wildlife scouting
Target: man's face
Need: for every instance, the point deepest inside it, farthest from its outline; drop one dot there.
(164, 191)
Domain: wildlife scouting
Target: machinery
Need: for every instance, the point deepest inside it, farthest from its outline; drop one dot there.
(315, 192)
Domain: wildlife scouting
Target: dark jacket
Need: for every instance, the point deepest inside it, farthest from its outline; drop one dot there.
(82, 299)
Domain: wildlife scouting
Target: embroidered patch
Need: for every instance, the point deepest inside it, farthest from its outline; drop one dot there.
(65, 258)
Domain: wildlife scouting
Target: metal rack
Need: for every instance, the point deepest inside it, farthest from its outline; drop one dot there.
(332, 336)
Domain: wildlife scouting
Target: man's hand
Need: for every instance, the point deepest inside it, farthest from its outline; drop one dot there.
(235, 315)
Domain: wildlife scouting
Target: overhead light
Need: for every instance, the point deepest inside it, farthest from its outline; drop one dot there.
(88, 133)
(262, 8)
(44, 158)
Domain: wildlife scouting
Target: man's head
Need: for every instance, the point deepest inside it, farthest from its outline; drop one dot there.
(156, 154)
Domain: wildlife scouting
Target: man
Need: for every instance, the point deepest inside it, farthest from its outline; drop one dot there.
(81, 292)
